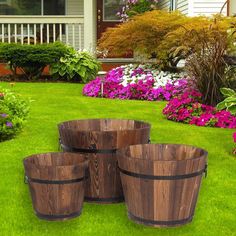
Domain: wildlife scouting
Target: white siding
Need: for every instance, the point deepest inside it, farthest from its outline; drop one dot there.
(203, 7)
(196, 7)
(182, 6)
(164, 5)
(75, 7)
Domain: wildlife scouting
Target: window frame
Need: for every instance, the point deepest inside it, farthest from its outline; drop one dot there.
(42, 9)
(173, 5)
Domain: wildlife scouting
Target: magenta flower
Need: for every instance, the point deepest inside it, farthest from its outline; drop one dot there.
(234, 137)
(140, 83)
(187, 109)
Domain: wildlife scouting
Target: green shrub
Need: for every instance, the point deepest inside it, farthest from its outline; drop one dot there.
(229, 102)
(13, 113)
(76, 66)
(31, 59)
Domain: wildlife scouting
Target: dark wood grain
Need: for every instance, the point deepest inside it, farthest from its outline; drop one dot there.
(56, 201)
(104, 184)
(161, 202)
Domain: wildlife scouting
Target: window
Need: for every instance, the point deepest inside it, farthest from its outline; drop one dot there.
(110, 9)
(54, 7)
(32, 7)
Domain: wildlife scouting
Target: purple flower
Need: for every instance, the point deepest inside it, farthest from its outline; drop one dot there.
(4, 115)
(9, 124)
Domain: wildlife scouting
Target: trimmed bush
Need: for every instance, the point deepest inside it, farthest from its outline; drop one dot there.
(76, 66)
(13, 113)
(31, 59)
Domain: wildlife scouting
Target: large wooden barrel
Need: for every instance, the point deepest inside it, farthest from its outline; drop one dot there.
(100, 139)
(161, 182)
(56, 182)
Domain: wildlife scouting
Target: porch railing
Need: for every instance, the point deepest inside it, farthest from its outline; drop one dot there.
(42, 29)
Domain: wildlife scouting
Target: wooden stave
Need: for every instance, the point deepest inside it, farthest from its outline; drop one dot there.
(138, 190)
(68, 197)
(114, 140)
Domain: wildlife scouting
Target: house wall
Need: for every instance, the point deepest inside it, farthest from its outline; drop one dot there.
(203, 7)
(75, 7)
(88, 9)
(182, 6)
(196, 7)
(232, 7)
(164, 5)
(90, 24)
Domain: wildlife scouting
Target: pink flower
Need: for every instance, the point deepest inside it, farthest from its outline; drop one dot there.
(188, 110)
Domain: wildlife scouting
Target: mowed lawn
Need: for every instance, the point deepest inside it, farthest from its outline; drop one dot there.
(56, 102)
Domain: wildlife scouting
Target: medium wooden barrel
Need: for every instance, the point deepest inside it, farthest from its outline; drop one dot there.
(56, 182)
(100, 139)
(161, 182)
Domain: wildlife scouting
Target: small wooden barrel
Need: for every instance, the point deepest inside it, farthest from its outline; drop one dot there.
(56, 182)
(161, 182)
(99, 139)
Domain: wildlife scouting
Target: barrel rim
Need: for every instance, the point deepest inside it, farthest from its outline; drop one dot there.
(125, 156)
(60, 125)
(84, 162)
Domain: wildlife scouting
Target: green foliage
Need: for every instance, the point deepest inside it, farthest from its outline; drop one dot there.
(31, 59)
(229, 102)
(13, 113)
(76, 66)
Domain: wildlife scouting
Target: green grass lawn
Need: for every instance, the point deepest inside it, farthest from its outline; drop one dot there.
(56, 102)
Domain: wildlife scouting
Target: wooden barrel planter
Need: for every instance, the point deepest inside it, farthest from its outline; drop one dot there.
(99, 140)
(56, 182)
(161, 182)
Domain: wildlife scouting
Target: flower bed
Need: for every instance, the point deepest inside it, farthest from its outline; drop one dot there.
(13, 112)
(143, 82)
(186, 108)
(140, 82)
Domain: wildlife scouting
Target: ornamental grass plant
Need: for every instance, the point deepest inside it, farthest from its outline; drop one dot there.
(207, 65)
